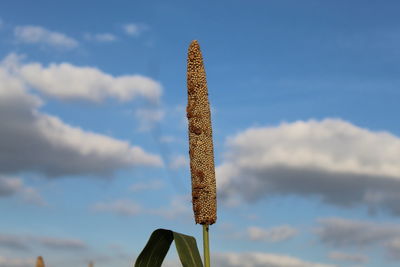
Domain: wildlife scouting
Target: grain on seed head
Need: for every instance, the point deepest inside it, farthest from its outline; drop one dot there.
(200, 139)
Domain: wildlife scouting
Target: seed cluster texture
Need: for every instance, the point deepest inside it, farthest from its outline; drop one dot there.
(201, 151)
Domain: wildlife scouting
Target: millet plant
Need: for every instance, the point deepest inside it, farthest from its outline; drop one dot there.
(201, 152)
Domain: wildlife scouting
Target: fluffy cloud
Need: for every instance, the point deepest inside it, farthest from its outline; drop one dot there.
(16, 262)
(28, 242)
(122, 207)
(274, 234)
(258, 259)
(349, 257)
(34, 141)
(342, 163)
(340, 233)
(66, 81)
(38, 35)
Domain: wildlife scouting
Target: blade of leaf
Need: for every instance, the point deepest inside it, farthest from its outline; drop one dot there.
(187, 250)
(156, 249)
(158, 245)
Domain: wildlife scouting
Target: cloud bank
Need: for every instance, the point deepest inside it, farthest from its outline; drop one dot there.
(344, 233)
(35, 141)
(341, 163)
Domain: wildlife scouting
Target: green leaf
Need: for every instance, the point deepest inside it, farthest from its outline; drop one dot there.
(187, 250)
(158, 245)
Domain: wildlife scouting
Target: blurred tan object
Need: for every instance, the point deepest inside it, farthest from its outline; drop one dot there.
(40, 262)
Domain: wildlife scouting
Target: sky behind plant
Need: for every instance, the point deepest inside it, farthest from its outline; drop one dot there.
(93, 130)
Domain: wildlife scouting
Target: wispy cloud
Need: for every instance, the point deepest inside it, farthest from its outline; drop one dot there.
(38, 35)
(178, 207)
(122, 207)
(134, 29)
(29, 242)
(348, 257)
(10, 186)
(256, 259)
(167, 139)
(148, 117)
(16, 262)
(178, 162)
(343, 164)
(101, 37)
(273, 234)
(62, 244)
(150, 185)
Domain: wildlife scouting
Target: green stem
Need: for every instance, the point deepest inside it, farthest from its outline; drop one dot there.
(206, 246)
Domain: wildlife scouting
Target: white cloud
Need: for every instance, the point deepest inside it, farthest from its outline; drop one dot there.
(151, 185)
(122, 207)
(16, 262)
(34, 141)
(259, 259)
(134, 29)
(148, 117)
(348, 257)
(274, 234)
(341, 233)
(101, 37)
(178, 162)
(66, 81)
(342, 163)
(38, 35)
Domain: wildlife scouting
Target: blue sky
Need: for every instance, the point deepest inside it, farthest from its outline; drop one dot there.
(93, 135)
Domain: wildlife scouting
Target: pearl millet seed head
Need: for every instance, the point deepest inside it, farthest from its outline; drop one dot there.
(201, 150)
